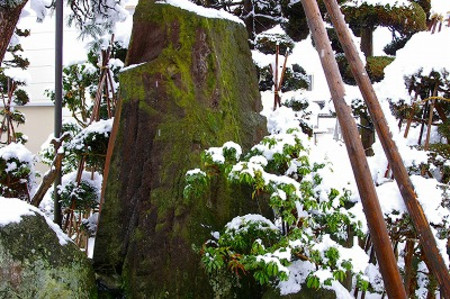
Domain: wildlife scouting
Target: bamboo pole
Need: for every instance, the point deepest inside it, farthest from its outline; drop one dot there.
(369, 199)
(427, 240)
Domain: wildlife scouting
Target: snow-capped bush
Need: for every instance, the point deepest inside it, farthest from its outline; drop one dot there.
(17, 171)
(308, 216)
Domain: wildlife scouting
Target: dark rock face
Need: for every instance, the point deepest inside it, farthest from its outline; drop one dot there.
(195, 87)
(33, 264)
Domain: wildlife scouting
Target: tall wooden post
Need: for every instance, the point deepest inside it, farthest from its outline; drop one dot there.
(369, 199)
(58, 98)
(432, 255)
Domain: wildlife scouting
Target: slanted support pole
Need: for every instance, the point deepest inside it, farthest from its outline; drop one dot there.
(367, 192)
(423, 230)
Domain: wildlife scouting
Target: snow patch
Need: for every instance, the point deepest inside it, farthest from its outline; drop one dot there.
(14, 209)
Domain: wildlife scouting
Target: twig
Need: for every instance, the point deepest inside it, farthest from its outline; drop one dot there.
(49, 177)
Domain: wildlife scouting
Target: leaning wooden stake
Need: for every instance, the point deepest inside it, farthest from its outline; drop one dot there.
(421, 224)
(369, 199)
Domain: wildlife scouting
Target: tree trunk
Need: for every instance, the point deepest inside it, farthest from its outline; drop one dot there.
(367, 136)
(249, 18)
(9, 16)
(367, 41)
(410, 269)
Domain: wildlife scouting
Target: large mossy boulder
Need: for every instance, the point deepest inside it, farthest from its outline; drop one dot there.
(191, 85)
(36, 261)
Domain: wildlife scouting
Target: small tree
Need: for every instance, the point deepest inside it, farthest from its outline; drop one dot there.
(16, 162)
(365, 18)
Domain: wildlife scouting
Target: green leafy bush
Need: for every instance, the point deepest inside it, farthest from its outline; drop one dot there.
(308, 223)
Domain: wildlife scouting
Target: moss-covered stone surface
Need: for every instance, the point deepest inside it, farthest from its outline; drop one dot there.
(194, 87)
(33, 264)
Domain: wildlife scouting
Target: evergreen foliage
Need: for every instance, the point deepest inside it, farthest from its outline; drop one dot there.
(309, 224)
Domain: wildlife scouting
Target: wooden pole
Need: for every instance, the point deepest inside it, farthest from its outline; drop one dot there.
(367, 192)
(430, 118)
(421, 224)
(59, 10)
(275, 76)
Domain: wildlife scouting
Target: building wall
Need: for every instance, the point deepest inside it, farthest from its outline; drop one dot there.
(39, 48)
(38, 127)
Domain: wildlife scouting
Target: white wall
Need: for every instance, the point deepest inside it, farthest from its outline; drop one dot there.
(39, 48)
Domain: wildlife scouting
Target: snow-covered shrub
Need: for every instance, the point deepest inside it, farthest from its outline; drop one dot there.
(81, 80)
(428, 89)
(92, 143)
(16, 171)
(310, 218)
(13, 78)
(266, 43)
(80, 196)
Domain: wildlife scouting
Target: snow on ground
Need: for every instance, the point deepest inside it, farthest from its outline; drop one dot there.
(417, 54)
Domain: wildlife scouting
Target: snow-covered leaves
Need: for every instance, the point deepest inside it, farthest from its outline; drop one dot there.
(83, 195)
(17, 171)
(306, 213)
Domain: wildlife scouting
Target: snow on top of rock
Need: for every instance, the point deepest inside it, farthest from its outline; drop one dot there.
(202, 11)
(13, 209)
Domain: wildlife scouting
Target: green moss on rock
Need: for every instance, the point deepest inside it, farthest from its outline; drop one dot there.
(33, 264)
(195, 87)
